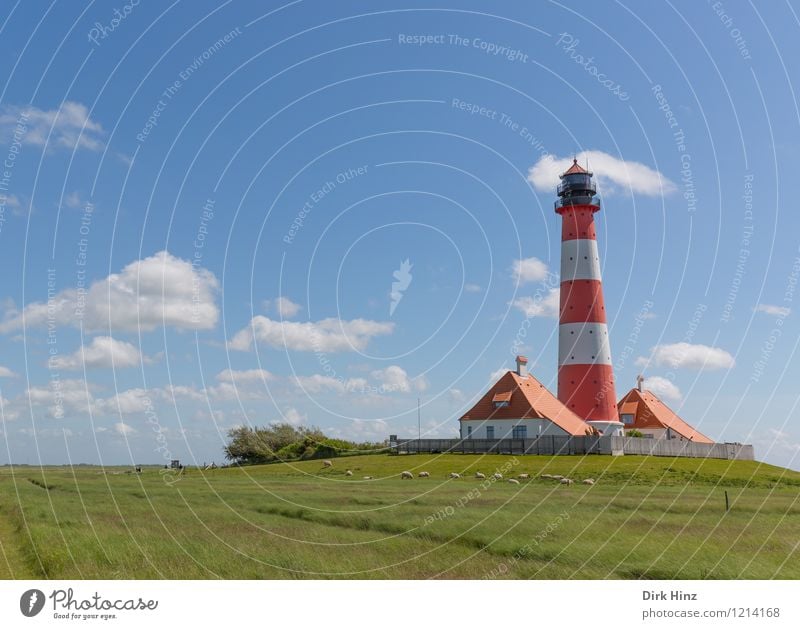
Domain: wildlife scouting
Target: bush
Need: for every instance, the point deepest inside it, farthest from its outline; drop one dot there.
(284, 442)
(634, 433)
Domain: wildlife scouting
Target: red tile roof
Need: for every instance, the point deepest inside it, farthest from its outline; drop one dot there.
(575, 168)
(529, 400)
(502, 397)
(651, 412)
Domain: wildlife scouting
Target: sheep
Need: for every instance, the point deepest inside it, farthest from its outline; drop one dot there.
(479, 475)
(567, 481)
(368, 478)
(548, 476)
(557, 477)
(513, 481)
(524, 476)
(455, 475)
(588, 481)
(498, 476)
(423, 474)
(406, 474)
(348, 473)
(327, 464)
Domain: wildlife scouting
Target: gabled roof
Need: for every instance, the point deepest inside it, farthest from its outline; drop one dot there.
(529, 399)
(651, 412)
(575, 168)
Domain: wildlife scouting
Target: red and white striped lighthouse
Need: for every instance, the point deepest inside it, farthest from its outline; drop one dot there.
(585, 373)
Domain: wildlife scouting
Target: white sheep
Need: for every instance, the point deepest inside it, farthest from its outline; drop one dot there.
(480, 475)
(348, 473)
(327, 464)
(406, 474)
(423, 474)
(588, 481)
(455, 475)
(567, 481)
(513, 481)
(524, 476)
(549, 476)
(557, 477)
(498, 476)
(368, 478)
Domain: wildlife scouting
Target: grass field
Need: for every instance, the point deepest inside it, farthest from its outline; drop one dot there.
(645, 518)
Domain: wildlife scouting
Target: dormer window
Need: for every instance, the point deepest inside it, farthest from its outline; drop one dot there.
(501, 400)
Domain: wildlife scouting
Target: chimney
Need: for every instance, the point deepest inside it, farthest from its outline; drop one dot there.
(522, 366)
(639, 380)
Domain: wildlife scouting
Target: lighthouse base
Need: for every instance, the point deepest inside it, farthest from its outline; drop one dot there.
(608, 428)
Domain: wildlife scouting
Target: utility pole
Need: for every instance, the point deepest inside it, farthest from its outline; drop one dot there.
(419, 422)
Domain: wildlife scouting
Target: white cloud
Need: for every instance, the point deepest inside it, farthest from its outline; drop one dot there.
(74, 200)
(497, 374)
(248, 384)
(294, 417)
(124, 429)
(5, 372)
(14, 203)
(472, 288)
(67, 127)
(318, 383)
(778, 311)
(611, 173)
(395, 379)
(538, 306)
(688, 356)
(126, 402)
(327, 335)
(662, 387)
(529, 270)
(247, 375)
(456, 395)
(284, 307)
(102, 352)
(159, 290)
(62, 397)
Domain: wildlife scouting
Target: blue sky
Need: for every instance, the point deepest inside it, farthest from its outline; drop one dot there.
(208, 204)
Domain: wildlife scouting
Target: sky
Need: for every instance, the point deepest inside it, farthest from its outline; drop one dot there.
(215, 214)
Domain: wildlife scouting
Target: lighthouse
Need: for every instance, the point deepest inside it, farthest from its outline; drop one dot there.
(585, 373)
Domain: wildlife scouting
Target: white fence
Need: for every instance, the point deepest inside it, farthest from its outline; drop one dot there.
(554, 445)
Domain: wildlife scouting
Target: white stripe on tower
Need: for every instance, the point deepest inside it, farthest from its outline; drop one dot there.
(580, 260)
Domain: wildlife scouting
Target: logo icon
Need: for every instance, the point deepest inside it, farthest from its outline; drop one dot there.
(403, 277)
(31, 603)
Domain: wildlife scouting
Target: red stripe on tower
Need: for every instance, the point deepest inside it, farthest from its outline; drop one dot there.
(585, 373)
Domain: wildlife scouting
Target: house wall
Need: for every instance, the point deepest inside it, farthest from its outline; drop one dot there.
(503, 428)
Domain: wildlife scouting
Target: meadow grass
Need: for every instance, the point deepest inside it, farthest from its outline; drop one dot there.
(646, 517)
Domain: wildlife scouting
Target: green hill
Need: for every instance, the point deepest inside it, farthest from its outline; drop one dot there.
(644, 518)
